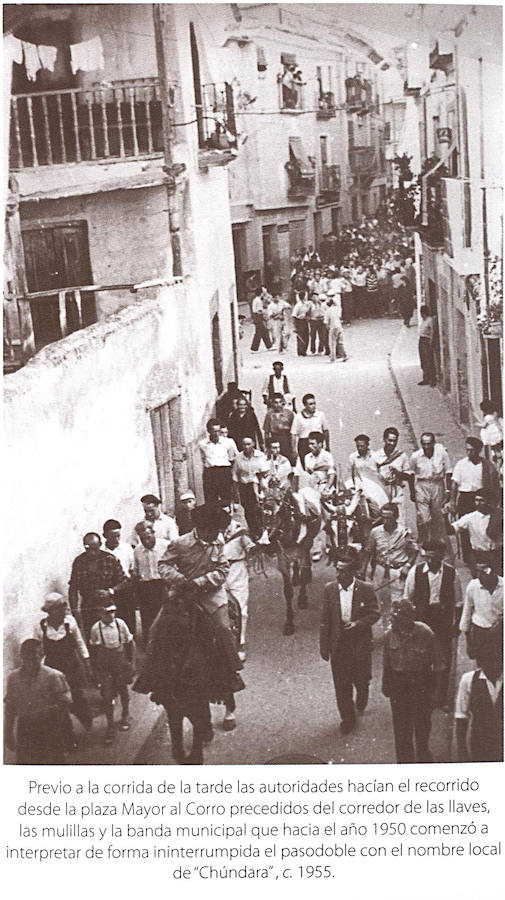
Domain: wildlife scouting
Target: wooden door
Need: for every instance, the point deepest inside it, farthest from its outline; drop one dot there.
(57, 256)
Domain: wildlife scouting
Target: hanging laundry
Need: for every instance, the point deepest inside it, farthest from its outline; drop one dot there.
(32, 60)
(87, 56)
(47, 56)
(13, 48)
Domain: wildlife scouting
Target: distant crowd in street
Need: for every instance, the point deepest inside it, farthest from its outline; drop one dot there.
(368, 271)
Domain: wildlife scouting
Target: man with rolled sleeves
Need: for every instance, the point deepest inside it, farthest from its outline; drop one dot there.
(431, 468)
(350, 608)
(471, 474)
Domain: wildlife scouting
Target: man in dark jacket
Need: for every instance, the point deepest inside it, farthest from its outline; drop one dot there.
(433, 587)
(350, 608)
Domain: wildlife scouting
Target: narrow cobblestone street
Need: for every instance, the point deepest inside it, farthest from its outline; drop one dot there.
(289, 704)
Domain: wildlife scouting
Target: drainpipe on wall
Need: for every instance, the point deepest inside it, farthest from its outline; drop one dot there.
(166, 53)
(485, 243)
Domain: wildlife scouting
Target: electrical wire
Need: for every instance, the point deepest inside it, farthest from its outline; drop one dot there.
(304, 112)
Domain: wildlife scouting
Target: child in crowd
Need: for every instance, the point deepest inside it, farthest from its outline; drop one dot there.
(112, 651)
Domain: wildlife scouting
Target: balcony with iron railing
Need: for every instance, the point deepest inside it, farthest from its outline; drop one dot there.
(301, 182)
(358, 93)
(116, 121)
(329, 182)
(326, 107)
(216, 124)
(363, 160)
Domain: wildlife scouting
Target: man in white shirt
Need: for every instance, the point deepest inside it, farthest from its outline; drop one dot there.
(467, 479)
(275, 383)
(125, 598)
(483, 609)
(333, 322)
(361, 460)
(279, 467)
(476, 526)
(358, 281)
(148, 581)
(260, 328)
(394, 470)
(249, 471)
(426, 357)
(164, 526)
(320, 464)
(217, 454)
(431, 468)
(309, 419)
(301, 311)
(479, 703)
(64, 649)
(277, 309)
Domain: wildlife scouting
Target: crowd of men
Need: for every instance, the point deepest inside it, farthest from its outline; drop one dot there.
(367, 272)
(185, 580)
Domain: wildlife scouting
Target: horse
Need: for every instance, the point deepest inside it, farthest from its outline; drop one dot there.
(291, 521)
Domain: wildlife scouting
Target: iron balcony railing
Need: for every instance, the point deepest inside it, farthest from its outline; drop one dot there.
(329, 179)
(326, 107)
(363, 160)
(217, 129)
(119, 120)
(358, 92)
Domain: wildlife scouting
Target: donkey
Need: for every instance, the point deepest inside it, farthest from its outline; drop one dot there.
(291, 520)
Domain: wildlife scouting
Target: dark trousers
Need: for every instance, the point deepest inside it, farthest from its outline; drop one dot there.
(358, 298)
(150, 594)
(411, 705)
(406, 310)
(466, 504)
(316, 327)
(88, 615)
(350, 672)
(126, 603)
(217, 484)
(197, 710)
(302, 336)
(427, 360)
(251, 507)
(347, 307)
(303, 449)
(260, 334)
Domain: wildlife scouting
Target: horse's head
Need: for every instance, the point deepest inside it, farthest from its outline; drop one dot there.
(277, 511)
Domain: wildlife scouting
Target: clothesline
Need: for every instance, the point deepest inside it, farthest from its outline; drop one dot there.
(86, 56)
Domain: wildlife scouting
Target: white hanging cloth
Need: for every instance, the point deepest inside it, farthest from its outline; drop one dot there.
(87, 56)
(47, 56)
(13, 48)
(32, 60)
